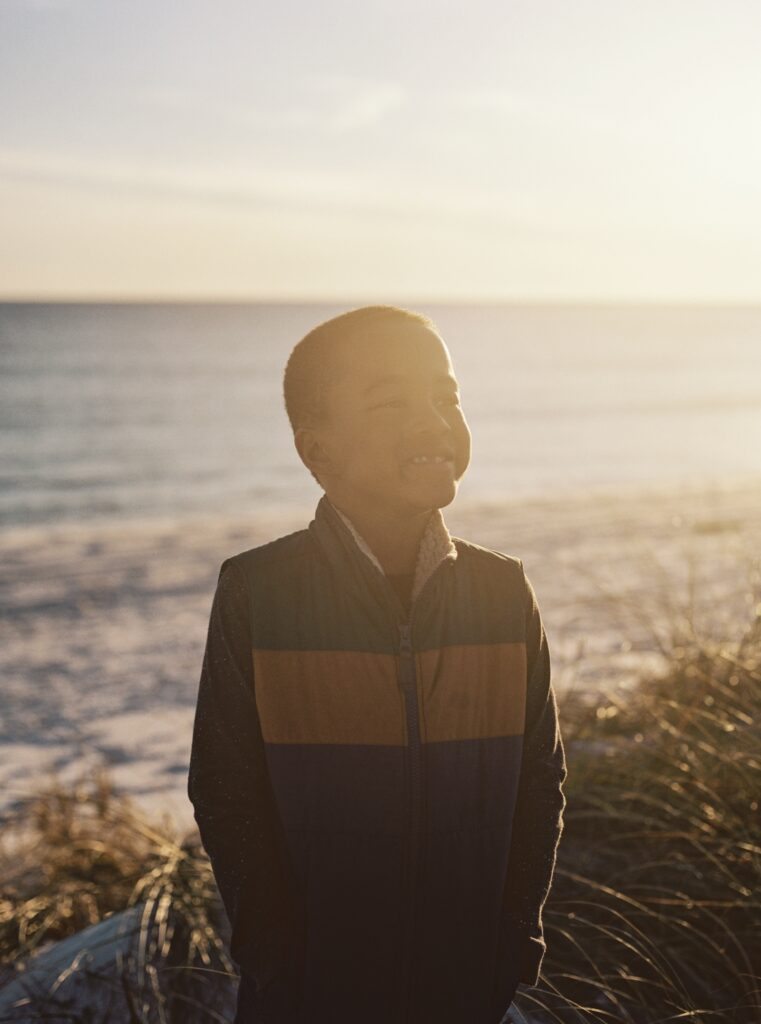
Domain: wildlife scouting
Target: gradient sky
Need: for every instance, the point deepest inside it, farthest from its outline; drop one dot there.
(381, 151)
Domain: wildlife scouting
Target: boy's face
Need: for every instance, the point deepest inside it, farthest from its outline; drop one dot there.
(396, 440)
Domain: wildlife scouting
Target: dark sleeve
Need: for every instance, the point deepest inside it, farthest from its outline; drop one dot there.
(234, 806)
(538, 821)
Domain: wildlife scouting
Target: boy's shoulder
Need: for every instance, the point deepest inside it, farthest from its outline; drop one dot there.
(280, 550)
(479, 553)
(490, 571)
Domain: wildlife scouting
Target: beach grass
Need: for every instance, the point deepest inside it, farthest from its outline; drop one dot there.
(74, 857)
(655, 910)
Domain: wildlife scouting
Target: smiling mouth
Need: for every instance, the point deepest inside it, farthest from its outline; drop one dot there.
(442, 457)
(422, 460)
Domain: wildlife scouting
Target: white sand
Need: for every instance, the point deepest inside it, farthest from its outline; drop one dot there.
(103, 627)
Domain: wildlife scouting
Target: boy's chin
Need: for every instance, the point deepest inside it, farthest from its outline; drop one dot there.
(425, 500)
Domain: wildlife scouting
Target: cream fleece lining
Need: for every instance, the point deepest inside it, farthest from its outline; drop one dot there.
(436, 545)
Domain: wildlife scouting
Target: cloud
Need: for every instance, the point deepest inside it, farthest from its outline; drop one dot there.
(366, 107)
(332, 104)
(245, 188)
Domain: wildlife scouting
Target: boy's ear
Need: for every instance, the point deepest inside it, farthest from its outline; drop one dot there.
(311, 451)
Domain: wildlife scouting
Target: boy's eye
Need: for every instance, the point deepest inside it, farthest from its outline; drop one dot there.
(391, 403)
(398, 403)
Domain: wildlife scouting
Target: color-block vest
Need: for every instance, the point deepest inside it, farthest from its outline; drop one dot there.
(394, 751)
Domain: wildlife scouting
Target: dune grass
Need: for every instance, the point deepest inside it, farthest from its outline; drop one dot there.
(655, 911)
(74, 856)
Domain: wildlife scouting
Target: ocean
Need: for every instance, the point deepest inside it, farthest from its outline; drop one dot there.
(121, 411)
(141, 445)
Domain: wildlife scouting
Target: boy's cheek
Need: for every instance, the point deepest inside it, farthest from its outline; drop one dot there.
(464, 453)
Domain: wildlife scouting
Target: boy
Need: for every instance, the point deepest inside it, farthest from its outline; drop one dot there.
(377, 765)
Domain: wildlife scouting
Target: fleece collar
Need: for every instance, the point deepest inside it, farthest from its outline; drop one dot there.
(436, 546)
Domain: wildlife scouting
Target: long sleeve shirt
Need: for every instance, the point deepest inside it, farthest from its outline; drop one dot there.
(229, 786)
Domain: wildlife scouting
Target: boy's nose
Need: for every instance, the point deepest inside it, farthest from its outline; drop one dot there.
(429, 418)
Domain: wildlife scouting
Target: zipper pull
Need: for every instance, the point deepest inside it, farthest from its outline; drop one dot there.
(406, 640)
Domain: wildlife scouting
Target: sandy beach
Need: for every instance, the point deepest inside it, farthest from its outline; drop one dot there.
(103, 626)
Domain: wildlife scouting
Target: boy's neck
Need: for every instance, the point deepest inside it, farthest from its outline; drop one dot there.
(393, 540)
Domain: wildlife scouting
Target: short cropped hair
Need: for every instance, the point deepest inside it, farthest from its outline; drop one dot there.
(312, 366)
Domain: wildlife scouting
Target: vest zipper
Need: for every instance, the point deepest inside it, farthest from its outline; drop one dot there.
(409, 688)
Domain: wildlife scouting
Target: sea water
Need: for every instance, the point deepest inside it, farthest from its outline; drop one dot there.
(122, 411)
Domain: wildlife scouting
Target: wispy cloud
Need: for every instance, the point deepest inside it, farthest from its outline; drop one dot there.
(248, 189)
(495, 100)
(552, 113)
(359, 105)
(332, 104)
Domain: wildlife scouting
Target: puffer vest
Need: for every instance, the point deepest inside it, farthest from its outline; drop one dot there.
(393, 746)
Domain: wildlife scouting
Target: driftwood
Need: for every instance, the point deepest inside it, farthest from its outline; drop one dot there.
(119, 971)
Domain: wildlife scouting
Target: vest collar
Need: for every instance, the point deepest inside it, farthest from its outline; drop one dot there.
(436, 544)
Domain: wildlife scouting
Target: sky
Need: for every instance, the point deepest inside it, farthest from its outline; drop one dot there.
(514, 150)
